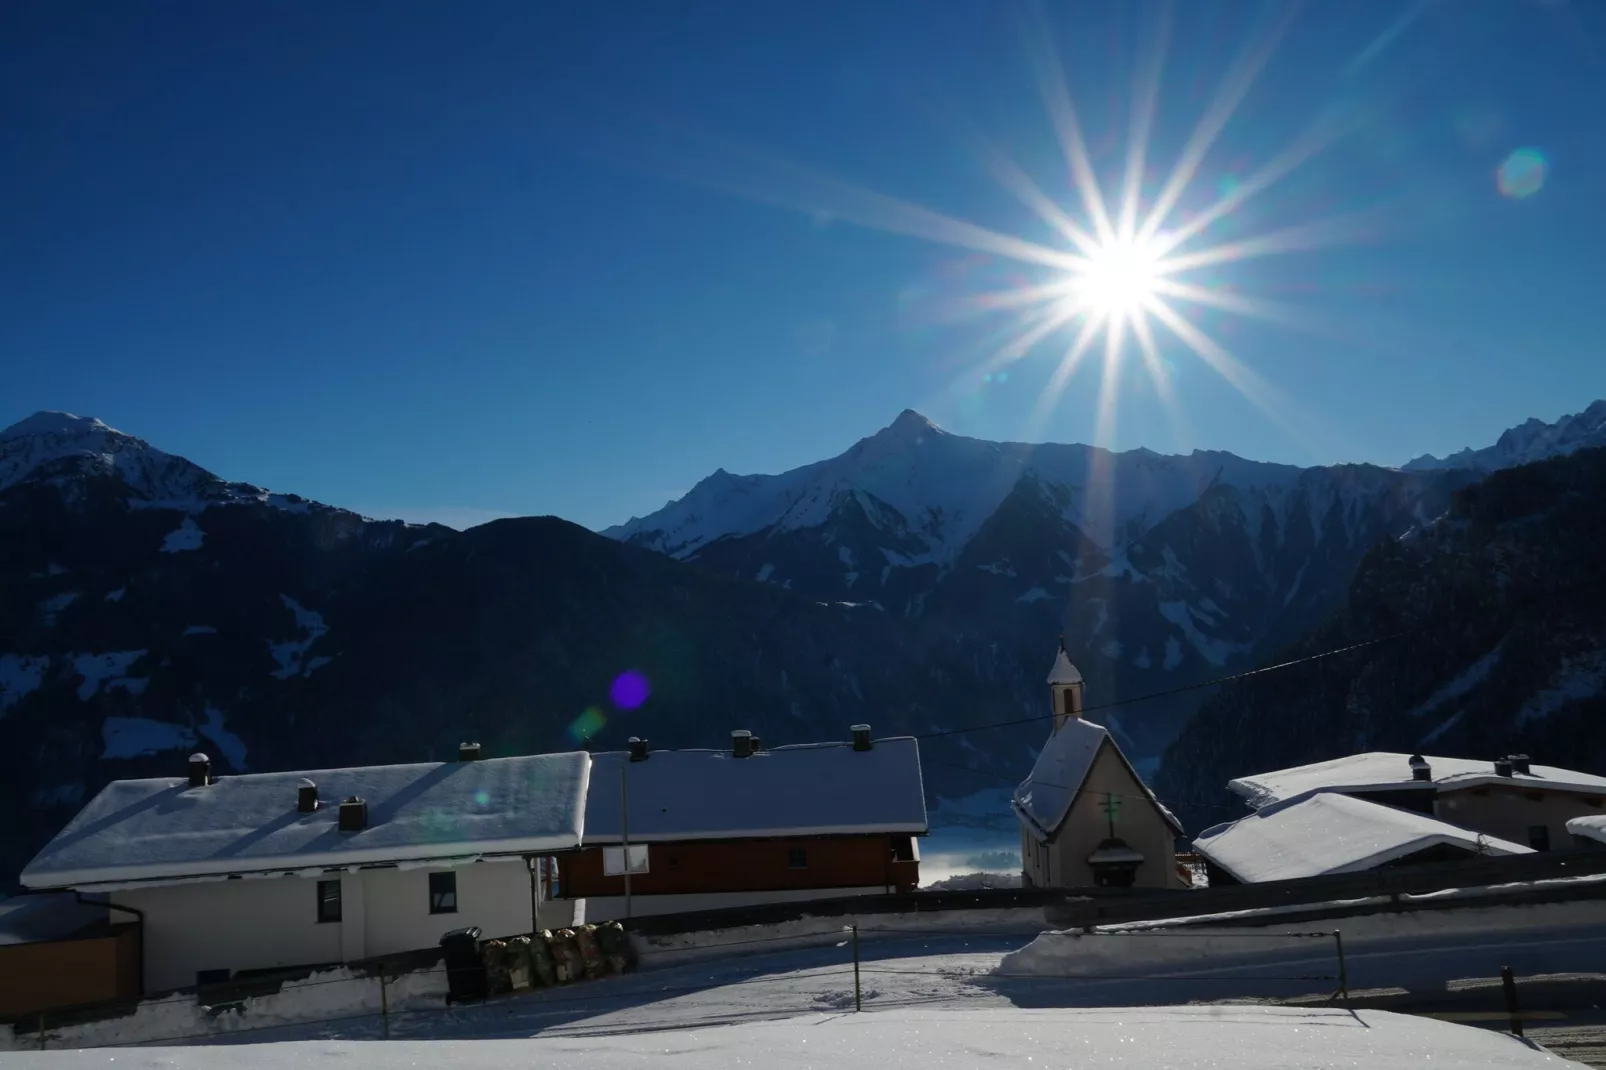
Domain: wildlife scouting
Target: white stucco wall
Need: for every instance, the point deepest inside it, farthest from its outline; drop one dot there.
(273, 922)
(1062, 862)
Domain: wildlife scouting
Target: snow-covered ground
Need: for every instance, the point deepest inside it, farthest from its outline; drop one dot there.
(1185, 1038)
(925, 970)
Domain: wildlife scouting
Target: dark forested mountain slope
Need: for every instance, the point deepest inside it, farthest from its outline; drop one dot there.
(1498, 616)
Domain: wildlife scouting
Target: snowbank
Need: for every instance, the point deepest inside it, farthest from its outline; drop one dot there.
(1155, 949)
(1183, 1038)
(323, 996)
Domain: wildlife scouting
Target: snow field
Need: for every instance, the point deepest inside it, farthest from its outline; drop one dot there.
(1183, 1038)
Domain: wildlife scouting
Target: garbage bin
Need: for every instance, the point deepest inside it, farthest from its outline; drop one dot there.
(465, 969)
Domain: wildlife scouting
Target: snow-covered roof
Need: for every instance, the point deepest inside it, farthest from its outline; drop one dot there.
(1064, 672)
(1121, 853)
(1046, 795)
(1387, 770)
(25, 919)
(1331, 833)
(163, 829)
(1592, 827)
(811, 790)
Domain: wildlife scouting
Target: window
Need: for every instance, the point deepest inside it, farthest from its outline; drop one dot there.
(443, 893)
(1539, 837)
(797, 858)
(328, 901)
(613, 860)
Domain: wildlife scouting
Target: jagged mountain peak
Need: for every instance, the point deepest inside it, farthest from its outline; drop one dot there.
(1530, 441)
(911, 424)
(65, 450)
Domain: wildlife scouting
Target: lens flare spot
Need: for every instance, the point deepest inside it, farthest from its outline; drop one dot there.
(482, 798)
(1522, 174)
(588, 724)
(629, 690)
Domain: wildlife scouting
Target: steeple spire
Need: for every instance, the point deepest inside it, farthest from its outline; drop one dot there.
(1065, 687)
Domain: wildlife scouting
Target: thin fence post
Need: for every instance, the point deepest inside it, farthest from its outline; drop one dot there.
(1509, 983)
(41, 1030)
(384, 1003)
(858, 994)
(1343, 968)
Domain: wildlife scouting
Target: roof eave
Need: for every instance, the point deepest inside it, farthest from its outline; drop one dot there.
(80, 879)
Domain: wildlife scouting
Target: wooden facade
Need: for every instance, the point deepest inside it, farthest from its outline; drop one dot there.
(91, 967)
(780, 864)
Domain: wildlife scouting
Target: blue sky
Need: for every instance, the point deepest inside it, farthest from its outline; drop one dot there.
(510, 257)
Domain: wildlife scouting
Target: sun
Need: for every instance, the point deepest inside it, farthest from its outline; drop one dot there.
(1120, 277)
(1134, 263)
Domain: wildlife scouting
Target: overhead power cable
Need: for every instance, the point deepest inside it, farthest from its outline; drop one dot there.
(1166, 693)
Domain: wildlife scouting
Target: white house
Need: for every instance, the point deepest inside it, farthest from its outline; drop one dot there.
(1086, 817)
(1511, 798)
(1328, 832)
(273, 870)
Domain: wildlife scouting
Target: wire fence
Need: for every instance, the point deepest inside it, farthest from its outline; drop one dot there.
(375, 1002)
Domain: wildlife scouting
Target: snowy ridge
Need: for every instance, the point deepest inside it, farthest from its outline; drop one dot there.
(85, 444)
(1532, 440)
(940, 488)
(57, 445)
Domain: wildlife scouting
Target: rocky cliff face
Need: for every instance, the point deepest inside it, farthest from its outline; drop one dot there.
(1494, 626)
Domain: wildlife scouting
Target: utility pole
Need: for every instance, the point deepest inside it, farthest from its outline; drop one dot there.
(624, 831)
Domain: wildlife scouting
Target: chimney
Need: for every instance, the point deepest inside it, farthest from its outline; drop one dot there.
(1520, 763)
(1502, 767)
(353, 814)
(1420, 769)
(741, 743)
(638, 749)
(468, 752)
(306, 796)
(861, 736)
(200, 770)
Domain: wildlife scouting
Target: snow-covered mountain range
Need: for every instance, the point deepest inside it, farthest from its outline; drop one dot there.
(1533, 440)
(916, 582)
(60, 448)
(933, 491)
(1161, 570)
